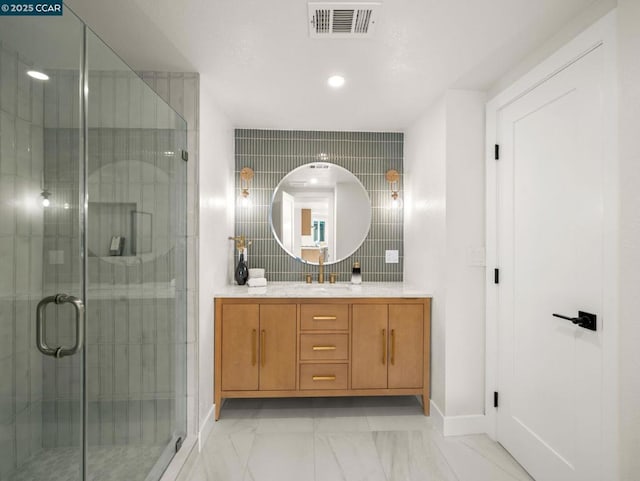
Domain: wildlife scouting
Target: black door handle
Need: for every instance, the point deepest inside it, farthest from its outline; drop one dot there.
(584, 319)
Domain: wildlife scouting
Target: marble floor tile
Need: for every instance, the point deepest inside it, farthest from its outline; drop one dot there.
(285, 425)
(226, 456)
(344, 439)
(395, 422)
(341, 424)
(347, 457)
(281, 457)
(411, 456)
(472, 464)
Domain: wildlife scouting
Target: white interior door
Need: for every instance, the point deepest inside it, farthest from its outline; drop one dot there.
(550, 253)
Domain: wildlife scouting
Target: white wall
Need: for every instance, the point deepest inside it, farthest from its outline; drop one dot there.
(444, 224)
(216, 225)
(465, 282)
(425, 226)
(629, 280)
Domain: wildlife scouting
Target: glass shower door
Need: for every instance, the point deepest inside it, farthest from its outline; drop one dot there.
(136, 282)
(41, 253)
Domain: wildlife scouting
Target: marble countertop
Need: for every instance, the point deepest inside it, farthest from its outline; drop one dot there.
(340, 289)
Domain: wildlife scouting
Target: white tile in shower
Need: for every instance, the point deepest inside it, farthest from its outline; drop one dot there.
(35, 425)
(7, 449)
(190, 111)
(37, 103)
(7, 269)
(148, 368)
(105, 414)
(23, 434)
(23, 148)
(148, 421)
(121, 115)
(6, 390)
(120, 423)
(24, 92)
(106, 97)
(105, 371)
(135, 369)
(22, 255)
(163, 368)
(134, 416)
(6, 327)
(22, 385)
(7, 204)
(8, 143)
(35, 375)
(135, 103)
(176, 92)
(67, 102)
(121, 370)
(9, 81)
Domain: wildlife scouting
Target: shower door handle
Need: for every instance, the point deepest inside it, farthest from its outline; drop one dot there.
(41, 342)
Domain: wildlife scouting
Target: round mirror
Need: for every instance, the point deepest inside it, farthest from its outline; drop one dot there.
(320, 209)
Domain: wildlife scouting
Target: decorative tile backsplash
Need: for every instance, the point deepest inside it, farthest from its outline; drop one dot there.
(272, 154)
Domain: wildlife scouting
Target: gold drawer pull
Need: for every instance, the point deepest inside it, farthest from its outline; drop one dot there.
(263, 353)
(324, 348)
(324, 378)
(324, 318)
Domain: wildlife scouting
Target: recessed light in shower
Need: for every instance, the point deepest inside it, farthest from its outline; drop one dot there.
(37, 75)
(336, 81)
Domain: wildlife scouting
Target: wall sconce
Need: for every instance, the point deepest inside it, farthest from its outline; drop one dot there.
(393, 177)
(246, 174)
(45, 194)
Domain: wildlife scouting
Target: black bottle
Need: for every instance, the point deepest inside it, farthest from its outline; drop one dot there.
(242, 271)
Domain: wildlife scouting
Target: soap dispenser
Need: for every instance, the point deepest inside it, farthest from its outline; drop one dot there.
(356, 275)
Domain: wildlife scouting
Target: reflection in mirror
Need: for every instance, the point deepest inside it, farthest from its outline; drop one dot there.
(320, 208)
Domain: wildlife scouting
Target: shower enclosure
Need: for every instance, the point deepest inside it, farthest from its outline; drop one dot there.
(92, 261)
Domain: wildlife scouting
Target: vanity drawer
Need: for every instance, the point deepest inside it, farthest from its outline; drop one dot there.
(318, 317)
(323, 376)
(324, 347)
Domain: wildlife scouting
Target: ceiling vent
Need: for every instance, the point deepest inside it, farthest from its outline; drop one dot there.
(342, 20)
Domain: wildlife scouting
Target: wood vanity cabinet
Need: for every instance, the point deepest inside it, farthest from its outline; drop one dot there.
(387, 346)
(274, 347)
(259, 348)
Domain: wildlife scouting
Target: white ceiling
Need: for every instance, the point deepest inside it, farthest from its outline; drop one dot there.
(264, 70)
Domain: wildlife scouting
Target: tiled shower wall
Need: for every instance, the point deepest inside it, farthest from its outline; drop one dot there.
(272, 154)
(21, 238)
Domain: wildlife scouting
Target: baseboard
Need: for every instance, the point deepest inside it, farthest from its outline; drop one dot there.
(206, 427)
(458, 425)
(436, 415)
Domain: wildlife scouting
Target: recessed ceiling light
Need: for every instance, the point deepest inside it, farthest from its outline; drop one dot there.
(336, 81)
(313, 180)
(37, 75)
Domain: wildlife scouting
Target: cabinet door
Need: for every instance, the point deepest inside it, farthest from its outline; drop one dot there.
(278, 347)
(240, 326)
(406, 346)
(369, 346)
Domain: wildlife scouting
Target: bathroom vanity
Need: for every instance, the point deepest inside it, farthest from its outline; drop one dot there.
(297, 340)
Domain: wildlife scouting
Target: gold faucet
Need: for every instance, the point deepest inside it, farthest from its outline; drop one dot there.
(321, 259)
(321, 268)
